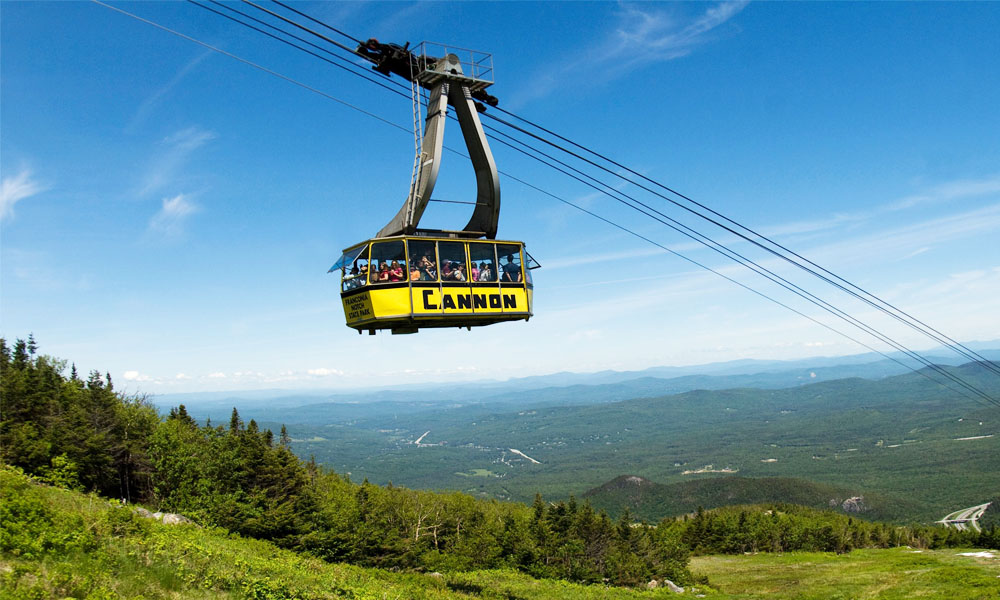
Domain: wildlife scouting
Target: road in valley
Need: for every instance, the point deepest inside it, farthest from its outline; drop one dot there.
(965, 518)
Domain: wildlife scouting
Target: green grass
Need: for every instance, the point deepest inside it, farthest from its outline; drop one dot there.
(478, 473)
(57, 544)
(898, 573)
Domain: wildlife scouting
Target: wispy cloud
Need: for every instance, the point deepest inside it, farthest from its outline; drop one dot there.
(149, 104)
(177, 148)
(170, 219)
(15, 188)
(580, 260)
(642, 35)
(645, 36)
(960, 189)
(952, 190)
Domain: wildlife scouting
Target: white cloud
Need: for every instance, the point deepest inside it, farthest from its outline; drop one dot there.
(323, 372)
(136, 376)
(911, 240)
(170, 219)
(626, 256)
(16, 188)
(189, 139)
(644, 34)
(952, 190)
(961, 189)
(217, 375)
(153, 99)
(178, 147)
(181, 376)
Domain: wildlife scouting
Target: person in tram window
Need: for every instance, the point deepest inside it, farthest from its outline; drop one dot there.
(473, 271)
(460, 272)
(511, 271)
(351, 280)
(395, 271)
(416, 274)
(362, 276)
(446, 271)
(428, 269)
(485, 272)
(383, 272)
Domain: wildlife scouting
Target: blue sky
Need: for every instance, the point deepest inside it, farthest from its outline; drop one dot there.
(169, 213)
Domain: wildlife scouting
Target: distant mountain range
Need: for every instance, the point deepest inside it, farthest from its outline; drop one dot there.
(924, 449)
(800, 431)
(555, 389)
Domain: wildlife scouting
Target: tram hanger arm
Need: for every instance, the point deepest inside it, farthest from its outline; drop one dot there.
(450, 87)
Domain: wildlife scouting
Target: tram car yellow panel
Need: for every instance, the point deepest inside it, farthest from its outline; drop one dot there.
(405, 283)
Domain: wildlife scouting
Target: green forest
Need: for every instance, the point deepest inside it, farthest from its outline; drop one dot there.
(82, 434)
(914, 449)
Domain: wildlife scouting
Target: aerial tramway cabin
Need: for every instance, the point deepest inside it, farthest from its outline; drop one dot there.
(405, 278)
(405, 283)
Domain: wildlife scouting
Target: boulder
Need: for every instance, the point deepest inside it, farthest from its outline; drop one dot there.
(175, 519)
(167, 518)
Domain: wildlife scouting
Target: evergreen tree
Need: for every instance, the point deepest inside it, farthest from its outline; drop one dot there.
(234, 422)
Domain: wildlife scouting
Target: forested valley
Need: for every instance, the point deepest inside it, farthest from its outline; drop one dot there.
(82, 434)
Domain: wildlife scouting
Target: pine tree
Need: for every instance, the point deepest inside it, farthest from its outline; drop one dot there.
(234, 422)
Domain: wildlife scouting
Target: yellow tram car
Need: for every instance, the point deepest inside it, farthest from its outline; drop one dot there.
(405, 283)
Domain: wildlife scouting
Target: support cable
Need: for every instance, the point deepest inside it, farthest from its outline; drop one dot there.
(317, 21)
(762, 271)
(360, 74)
(304, 28)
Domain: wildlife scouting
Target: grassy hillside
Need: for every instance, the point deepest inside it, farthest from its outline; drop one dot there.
(900, 437)
(652, 501)
(896, 574)
(56, 543)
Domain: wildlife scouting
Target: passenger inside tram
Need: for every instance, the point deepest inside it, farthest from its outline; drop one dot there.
(485, 272)
(427, 269)
(511, 270)
(395, 271)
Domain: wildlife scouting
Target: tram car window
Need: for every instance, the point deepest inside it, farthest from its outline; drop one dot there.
(453, 261)
(423, 260)
(483, 262)
(388, 258)
(510, 263)
(355, 268)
